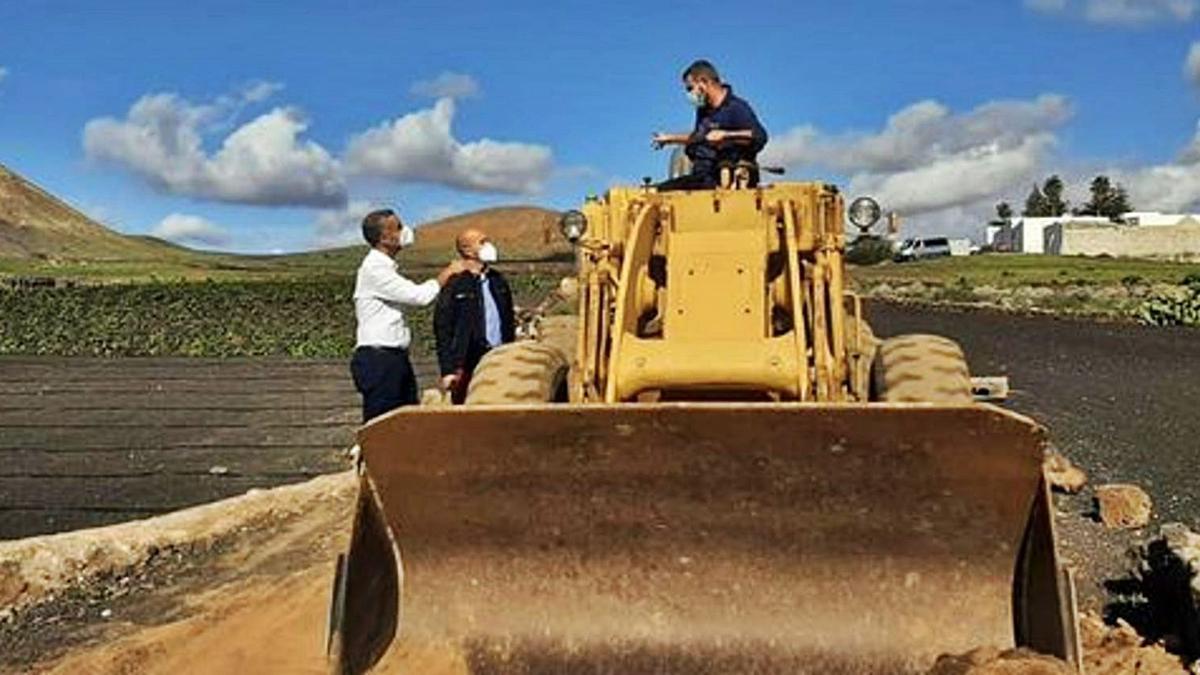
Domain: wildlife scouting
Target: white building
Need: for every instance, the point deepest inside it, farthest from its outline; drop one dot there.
(1178, 240)
(993, 232)
(1028, 234)
(1155, 218)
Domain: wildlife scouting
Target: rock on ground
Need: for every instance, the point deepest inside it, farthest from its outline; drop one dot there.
(37, 568)
(1123, 506)
(1168, 584)
(992, 661)
(1118, 650)
(1063, 474)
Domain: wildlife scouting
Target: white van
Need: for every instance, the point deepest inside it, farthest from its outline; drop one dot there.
(921, 249)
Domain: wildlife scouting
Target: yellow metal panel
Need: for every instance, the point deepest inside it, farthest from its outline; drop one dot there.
(715, 287)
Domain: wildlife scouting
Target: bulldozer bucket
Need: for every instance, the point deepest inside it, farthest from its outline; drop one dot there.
(698, 538)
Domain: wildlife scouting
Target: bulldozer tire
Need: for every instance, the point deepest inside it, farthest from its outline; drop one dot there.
(861, 358)
(560, 331)
(920, 369)
(519, 372)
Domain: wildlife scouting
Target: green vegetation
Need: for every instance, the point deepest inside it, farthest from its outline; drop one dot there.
(1114, 288)
(312, 318)
(1028, 270)
(869, 250)
(1177, 307)
(198, 266)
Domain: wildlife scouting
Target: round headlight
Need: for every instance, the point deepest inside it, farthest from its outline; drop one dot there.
(864, 212)
(573, 224)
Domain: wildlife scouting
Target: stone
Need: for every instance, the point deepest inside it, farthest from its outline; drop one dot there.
(1123, 506)
(992, 661)
(435, 398)
(1115, 650)
(568, 288)
(1168, 579)
(1062, 474)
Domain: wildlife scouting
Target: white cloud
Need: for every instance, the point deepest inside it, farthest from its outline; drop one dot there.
(340, 227)
(186, 229)
(259, 91)
(1174, 186)
(440, 212)
(3, 73)
(974, 175)
(447, 85)
(420, 147)
(1120, 12)
(1138, 11)
(261, 162)
(1046, 5)
(927, 158)
(1191, 65)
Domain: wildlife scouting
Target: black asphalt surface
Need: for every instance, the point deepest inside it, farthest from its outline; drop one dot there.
(1120, 400)
(87, 442)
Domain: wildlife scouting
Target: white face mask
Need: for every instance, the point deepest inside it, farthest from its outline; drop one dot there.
(407, 237)
(697, 97)
(488, 253)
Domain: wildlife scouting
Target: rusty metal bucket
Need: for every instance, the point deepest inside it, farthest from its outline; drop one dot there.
(698, 538)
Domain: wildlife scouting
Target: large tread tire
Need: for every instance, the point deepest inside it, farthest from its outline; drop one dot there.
(861, 358)
(560, 331)
(921, 369)
(519, 373)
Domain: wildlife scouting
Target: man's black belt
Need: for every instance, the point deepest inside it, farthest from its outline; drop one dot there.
(390, 350)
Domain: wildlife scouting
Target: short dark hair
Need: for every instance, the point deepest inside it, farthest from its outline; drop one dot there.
(701, 69)
(372, 225)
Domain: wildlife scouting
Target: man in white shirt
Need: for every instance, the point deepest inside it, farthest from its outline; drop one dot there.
(381, 368)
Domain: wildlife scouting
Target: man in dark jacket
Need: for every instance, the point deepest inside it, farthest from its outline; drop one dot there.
(726, 131)
(474, 313)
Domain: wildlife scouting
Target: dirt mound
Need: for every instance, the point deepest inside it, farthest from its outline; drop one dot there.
(991, 661)
(518, 231)
(37, 569)
(35, 223)
(1118, 650)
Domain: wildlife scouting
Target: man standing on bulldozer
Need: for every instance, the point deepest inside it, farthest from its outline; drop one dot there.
(726, 133)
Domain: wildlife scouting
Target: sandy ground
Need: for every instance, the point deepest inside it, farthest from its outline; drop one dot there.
(258, 605)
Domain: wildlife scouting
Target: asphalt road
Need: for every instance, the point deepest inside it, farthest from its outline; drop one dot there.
(1120, 400)
(88, 442)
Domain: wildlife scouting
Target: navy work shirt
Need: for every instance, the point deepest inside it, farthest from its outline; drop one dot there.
(734, 114)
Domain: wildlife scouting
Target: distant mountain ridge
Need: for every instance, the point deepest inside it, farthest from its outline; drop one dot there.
(36, 224)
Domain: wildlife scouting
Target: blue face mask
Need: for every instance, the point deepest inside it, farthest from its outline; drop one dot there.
(697, 97)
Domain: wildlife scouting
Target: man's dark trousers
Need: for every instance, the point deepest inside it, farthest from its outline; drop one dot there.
(384, 376)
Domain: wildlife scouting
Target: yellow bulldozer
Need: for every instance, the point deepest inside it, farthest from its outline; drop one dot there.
(718, 468)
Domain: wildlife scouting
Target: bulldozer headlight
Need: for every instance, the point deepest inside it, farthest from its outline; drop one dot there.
(864, 212)
(573, 224)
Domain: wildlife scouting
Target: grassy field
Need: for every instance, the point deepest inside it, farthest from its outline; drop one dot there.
(1111, 288)
(303, 318)
(299, 306)
(1035, 270)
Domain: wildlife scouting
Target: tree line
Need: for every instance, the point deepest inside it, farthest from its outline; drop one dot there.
(1108, 199)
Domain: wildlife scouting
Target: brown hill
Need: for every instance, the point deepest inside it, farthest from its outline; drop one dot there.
(518, 231)
(36, 224)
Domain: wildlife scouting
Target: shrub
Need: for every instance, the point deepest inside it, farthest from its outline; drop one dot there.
(1180, 308)
(869, 250)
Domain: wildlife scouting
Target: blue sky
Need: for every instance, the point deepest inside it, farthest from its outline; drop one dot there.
(272, 125)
